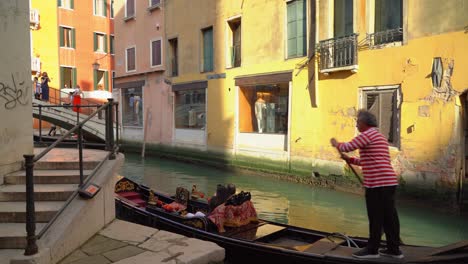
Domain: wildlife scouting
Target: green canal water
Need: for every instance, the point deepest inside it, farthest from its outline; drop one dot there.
(297, 204)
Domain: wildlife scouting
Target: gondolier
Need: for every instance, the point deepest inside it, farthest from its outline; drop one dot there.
(380, 182)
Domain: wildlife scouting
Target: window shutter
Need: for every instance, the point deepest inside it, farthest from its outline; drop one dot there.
(105, 43)
(62, 77)
(111, 44)
(62, 42)
(106, 80)
(73, 42)
(75, 77)
(104, 3)
(59, 3)
(301, 27)
(72, 5)
(292, 29)
(95, 73)
(208, 50)
(95, 41)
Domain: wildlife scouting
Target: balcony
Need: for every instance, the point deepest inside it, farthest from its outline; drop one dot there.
(35, 64)
(338, 54)
(34, 17)
(378, 39)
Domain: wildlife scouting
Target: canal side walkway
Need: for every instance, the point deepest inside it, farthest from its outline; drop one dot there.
(125, 243)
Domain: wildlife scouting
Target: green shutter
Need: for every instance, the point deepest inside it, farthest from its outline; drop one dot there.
(62, 42)
(59, 3)
(292, 29)
(72, 4)
(106, 80)
(111, 40)
(73, 40)
(301, 27)
(75, 77)
(95, 41)
(208, 50)
(105, 7)
(95, 79)
(105, 43)
(62, 77)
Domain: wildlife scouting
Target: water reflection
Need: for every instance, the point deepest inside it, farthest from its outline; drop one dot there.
(297, 204)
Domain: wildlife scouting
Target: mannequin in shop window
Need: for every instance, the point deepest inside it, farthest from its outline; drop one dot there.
(260, 112)
(192, 118)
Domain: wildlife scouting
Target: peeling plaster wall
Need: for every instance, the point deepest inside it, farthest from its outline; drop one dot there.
(15, 85)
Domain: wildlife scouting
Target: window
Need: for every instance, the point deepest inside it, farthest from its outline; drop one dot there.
(68, 77)
(112, 9)
(437, 72)
(343, 18)
(130, 8)
(111, 44)
(235, 43)
(66, 4)
(101, 80)
(384, 103)
(100, 8)
(132, 107)
(100, 42)
(173, 56)
(154, 3)
(296, 28)
(388, 21)
(190, 109)
(156, 52)
(264, 108)
(207, 49)
(130, 59)
(67, 37)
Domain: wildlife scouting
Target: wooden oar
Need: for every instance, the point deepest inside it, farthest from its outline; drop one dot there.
(349, 165)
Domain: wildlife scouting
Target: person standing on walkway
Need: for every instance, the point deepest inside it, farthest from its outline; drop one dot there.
(37, 88)
(380, 182)
(45, 86)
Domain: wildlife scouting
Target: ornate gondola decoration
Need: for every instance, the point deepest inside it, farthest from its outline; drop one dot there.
(124, 185)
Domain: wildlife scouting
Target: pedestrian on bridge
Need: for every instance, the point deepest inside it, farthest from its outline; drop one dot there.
(45, 86)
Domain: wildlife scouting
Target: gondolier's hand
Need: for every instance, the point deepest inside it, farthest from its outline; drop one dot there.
(333, 142)
(345, 157)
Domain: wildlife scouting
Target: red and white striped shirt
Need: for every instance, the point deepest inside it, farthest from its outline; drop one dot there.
(374, 158)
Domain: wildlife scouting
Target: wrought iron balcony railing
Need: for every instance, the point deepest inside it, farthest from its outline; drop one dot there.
(338, 53)
(384, 37)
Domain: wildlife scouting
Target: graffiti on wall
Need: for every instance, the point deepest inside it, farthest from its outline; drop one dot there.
(13, 93)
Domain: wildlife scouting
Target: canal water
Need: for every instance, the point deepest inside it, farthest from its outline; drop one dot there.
(297, 204)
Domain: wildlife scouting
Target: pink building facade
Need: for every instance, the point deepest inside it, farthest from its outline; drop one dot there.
(144, 96)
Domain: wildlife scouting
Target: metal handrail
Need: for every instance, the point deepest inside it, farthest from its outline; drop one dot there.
(31, 247)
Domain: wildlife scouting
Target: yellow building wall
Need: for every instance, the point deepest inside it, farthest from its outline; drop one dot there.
(45, 44)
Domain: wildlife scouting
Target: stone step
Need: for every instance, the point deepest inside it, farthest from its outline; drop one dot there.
(7, 254)
(64, 165)
(15, 212)
(13, 235)
(47, 177)
(42, 192)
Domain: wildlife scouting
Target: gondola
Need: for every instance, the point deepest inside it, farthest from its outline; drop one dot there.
(261, 241)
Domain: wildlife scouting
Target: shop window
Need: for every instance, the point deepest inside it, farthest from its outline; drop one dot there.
(264, 108)
(296, 31)
(190, 109)
(384, 104)
(132, 107)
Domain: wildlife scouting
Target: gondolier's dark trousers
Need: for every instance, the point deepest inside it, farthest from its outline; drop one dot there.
(382, 214)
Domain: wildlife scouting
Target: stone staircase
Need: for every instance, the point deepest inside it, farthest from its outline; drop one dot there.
(54, 181)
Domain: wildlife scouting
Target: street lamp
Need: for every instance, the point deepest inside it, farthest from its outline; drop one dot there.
(96, 65)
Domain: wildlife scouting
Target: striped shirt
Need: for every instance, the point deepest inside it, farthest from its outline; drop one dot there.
(374, 158)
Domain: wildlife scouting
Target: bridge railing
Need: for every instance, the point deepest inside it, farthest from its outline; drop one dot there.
(60, 97)
(111, 147)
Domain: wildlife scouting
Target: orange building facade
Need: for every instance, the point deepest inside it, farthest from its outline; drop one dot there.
(73, 41)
